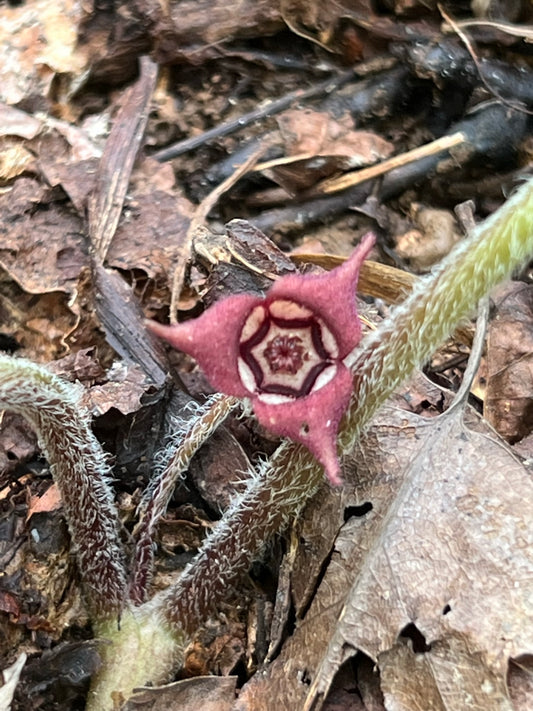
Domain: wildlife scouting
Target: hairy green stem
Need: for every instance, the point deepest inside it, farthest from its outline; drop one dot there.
(80, 470)
(405, 341)
(274, 495)
(175, 459)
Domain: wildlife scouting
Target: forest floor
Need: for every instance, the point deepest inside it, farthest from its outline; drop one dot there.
(158, 157)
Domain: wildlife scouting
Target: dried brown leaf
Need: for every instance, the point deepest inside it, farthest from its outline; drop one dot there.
(520, 681)
(151, 234)
(43, 251)
(40, 39)
(431, 680)
(49, 501)
(509, 394)
(321, 147)
(209, 693)
(435, 234)
(125, 386)
(14, 122)
(444, 548)
(17, 443)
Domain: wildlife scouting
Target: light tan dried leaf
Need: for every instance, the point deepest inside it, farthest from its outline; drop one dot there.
(435, 235)
(318, 134)
(40, 42)
(446, 547)
(209, 693)
(430, 681)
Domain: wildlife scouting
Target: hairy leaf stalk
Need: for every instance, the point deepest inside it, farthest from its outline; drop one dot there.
(405, 341)
(175, 460)
(273, 496)
(402, 343)
(78, 465)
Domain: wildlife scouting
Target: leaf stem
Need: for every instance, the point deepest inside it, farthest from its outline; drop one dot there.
(80, 470)
(415, 328)
(176, 459)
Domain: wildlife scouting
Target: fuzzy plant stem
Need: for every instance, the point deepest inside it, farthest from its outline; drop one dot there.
(78, 465)
(175, 460)
(275, 493)
(491, 253)
(401, 343)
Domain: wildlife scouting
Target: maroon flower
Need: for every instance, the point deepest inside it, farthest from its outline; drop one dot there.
(284, 351)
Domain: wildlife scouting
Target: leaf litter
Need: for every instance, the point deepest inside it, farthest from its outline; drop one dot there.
(415, 611)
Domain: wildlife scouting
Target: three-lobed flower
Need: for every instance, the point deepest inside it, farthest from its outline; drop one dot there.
(285, 352)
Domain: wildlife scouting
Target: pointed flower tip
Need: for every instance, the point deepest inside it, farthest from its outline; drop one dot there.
(158, 329)
(334, 477)
(178, 335)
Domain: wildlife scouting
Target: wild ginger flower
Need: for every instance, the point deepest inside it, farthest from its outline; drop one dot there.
(285, 352)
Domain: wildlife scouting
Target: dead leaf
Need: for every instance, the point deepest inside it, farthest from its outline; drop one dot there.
(151, 234)
(14, 122)
(509, 393)
(444, 549)
(40, 42)
(125, 386)
(218, 467)
(209, 693)
(435, 234)
(520, 681)
(63, 670)
(321, 147)
(17, 443)
(15, 160)
(317, 133)
(43, 250)
(49, 501)
(430, 680)
(38, 326)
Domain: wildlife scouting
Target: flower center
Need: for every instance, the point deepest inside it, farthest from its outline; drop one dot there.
(285, 352)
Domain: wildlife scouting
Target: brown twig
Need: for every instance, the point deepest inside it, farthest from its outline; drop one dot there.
(349, 180)
(198, 221)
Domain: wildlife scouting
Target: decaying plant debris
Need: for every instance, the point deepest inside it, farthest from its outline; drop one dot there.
(146, 148)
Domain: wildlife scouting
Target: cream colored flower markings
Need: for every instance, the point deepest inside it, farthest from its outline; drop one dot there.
(285, 352)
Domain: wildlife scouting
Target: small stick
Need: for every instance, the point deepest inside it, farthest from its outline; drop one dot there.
(333, 185)
(198, 220)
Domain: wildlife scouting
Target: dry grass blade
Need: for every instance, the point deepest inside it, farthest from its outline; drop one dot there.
(114, 172)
